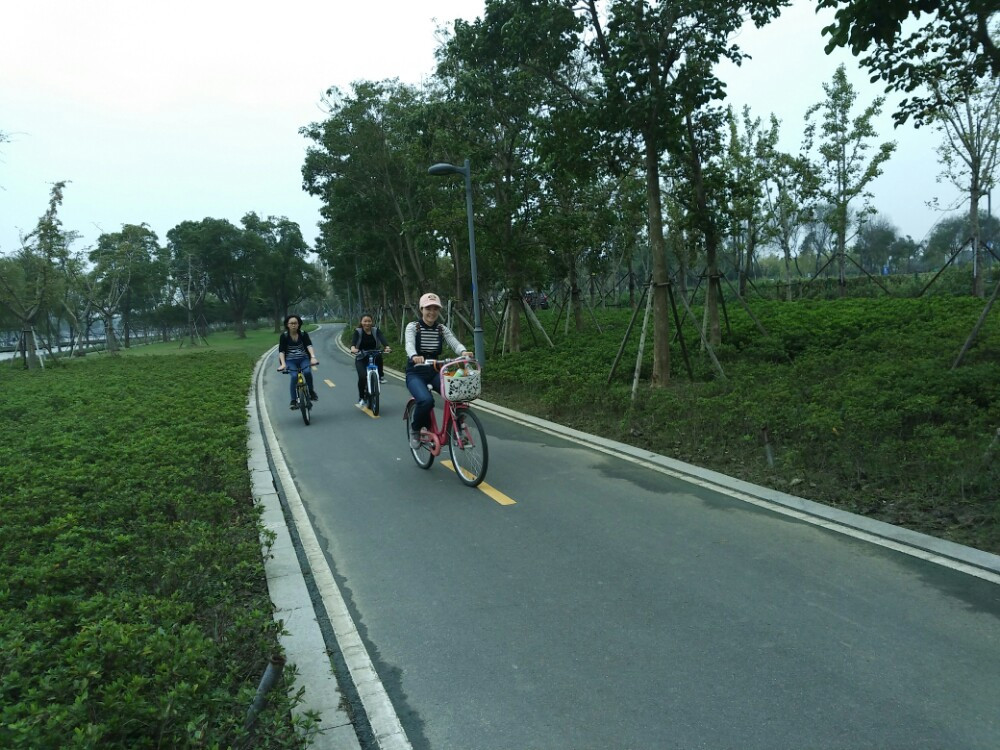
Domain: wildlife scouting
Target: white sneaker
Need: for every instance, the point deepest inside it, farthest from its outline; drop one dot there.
(361, 404)
(414, 440)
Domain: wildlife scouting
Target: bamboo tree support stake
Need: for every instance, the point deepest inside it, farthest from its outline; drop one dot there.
(561, 305)
(704, 342)
(642, 347)
(680, 336)
(694, 292)
(508, 313)
(873, 278)
(501, 327)
(628, 332)
(534, 319)
(975, 329)
(746, 307)
(722, 302)
(946, 264)
(592, 315)
(458, 314)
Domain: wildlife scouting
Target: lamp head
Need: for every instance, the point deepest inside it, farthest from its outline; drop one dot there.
(442, 168)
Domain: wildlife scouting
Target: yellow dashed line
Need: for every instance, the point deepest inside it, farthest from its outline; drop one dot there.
(487, 489)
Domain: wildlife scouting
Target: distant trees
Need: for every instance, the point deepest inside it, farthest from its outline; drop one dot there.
(128, 276)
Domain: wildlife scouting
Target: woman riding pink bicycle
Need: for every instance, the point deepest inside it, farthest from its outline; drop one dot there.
(425, 339)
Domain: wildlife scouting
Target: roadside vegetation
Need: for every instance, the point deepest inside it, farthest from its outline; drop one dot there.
(133, 606)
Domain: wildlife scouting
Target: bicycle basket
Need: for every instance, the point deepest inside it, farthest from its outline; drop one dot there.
(462, 387)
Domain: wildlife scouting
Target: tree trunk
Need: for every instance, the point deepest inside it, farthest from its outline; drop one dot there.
(978, 283)
(788, 273)
(661, 277)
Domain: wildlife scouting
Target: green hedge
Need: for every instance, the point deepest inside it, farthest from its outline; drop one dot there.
(133, 608)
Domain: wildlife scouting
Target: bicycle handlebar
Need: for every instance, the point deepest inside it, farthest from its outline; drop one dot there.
(286, 371)
(439, 363)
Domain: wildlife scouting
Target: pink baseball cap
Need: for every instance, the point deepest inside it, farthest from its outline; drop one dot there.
(430, 299)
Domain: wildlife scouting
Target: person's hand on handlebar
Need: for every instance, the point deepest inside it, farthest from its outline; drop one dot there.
(417, 359)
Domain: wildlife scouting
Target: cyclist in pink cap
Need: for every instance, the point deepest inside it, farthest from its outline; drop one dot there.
(425, 339)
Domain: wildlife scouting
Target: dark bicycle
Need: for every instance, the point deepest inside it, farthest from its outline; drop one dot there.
(372, 384)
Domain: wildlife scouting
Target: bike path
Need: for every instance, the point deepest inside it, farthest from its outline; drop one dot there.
(622, 603)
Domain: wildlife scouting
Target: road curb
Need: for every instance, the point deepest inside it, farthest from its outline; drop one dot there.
(301, 637)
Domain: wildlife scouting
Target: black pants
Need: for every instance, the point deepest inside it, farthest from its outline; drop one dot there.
(361, 365)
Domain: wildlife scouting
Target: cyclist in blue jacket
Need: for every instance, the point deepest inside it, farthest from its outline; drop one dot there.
(295, 352)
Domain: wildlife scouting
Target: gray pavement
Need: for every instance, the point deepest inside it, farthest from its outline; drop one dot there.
(321, 633)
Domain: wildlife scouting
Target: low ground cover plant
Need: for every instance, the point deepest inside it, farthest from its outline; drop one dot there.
(133, 606)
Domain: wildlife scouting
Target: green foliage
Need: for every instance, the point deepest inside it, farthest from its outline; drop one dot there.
(920, 46)
(857, 397)
(133, 610)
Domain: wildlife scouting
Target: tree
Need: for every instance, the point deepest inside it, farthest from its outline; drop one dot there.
(789, 190)
(969, 154)
(369, 168)
(750, 160)
(228, 256)
(844, 167)
(29, 281)
(950, 41)
(652, 63)
(189, 276)
(125, 276)
(284, 275)
(502, 130)
(875, 242)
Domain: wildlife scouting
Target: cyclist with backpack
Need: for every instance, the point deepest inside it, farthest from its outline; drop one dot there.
(367, 337)
(295, 352)
(425, 339)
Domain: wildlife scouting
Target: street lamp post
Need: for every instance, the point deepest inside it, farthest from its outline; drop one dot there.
(465, 171)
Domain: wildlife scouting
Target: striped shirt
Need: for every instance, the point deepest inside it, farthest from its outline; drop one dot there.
(428, 341)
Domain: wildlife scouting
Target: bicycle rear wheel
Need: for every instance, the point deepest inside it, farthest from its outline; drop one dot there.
(373, 392)
(421, 455)
(467, 445)
(305, 404)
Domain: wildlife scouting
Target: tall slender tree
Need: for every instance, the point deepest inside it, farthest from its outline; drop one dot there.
(29, 283)
(844, 164)
(969, 155)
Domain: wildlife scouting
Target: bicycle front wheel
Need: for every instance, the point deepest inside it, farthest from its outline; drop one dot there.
(373, 392)
(467, 444)
(421, 455)
(305, 405)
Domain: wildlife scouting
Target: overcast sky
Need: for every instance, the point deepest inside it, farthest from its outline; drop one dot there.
(161, 112)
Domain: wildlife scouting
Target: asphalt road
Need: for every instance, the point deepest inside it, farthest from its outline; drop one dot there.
(611, 606)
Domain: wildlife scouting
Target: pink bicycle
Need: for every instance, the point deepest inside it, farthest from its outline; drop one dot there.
(460, 428)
